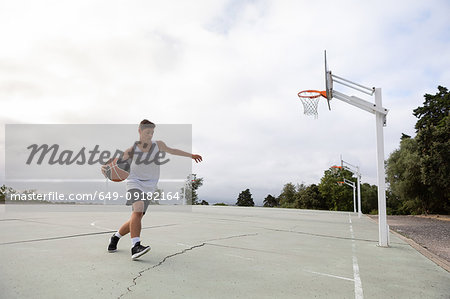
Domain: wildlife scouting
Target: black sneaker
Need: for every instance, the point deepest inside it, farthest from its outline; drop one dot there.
(112, 247)
(139, 250)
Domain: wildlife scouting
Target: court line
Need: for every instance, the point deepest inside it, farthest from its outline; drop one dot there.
(356, 276)
(315, 235)
(77, 235)
(329, 275)
(102, 227)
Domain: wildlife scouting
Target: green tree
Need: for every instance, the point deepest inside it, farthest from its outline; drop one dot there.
(394, 206)
(2, 194)
(418, 171)
(4, 191)
(310, 198)
(245, 199)
(338, 197)
(270, 201)
(433, 142)
(369, 199)
(404, 178)
(287, 196)
(191, 186)
(434, 110)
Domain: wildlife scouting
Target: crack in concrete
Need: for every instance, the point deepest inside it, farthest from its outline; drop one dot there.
(231, 237)
(157, 265)
(179, 253)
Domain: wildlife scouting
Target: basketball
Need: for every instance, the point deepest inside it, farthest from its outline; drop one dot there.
(117, 170)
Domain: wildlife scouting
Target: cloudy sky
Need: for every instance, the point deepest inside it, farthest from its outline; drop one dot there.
(232, 69)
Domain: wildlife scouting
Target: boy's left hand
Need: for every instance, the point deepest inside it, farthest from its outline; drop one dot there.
(197, 158)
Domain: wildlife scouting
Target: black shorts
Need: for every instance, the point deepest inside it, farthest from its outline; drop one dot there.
(134, 195)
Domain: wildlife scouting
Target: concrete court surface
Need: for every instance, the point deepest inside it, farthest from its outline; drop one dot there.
(208, 252)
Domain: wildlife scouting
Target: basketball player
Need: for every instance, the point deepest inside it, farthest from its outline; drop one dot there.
(142, 180)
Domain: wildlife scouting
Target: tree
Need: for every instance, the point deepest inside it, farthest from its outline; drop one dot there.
(403, 175)
(310, 198)
(204, 203)
(287, 196)
(3, 194)
(433, 141)
(369, 199)
(271, 201)
(338, 197)
(191, 186)
(4, 191)
(418, 171)
(245, 199)
(434, 110)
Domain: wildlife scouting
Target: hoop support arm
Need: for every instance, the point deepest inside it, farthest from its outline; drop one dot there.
(349, 183)
(351, 84)
(362, 104)
(354, 169)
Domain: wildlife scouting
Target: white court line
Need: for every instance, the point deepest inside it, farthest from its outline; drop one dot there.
(97, 226)
(356, 277)
(330, 275)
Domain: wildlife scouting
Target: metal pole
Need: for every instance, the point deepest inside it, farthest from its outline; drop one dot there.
(352, 184)
(358, 175)
(382, 223)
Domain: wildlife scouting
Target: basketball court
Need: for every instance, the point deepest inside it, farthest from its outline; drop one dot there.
(209, 252)
(57, 251)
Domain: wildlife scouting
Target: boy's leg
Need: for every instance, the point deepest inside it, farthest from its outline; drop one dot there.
(135, 220)
(135, 230)
(125, 228)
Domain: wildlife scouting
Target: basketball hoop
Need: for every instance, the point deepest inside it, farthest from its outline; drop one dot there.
(310, 101)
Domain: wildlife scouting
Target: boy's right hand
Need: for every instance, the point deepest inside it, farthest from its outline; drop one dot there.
(104, 169)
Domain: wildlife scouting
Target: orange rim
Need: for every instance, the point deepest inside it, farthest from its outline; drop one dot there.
(311, 94)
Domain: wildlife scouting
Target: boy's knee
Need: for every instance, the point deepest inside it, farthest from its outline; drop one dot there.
(138, 214)
(138, 207)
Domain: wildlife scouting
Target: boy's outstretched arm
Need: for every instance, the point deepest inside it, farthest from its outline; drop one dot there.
(163, 147)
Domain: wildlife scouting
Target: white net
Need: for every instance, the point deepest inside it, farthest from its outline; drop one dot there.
(310, 101)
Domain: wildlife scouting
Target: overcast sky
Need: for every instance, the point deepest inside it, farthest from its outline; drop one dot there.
(232, 69)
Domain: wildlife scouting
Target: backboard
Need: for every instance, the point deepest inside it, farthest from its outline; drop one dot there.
(328, 82)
